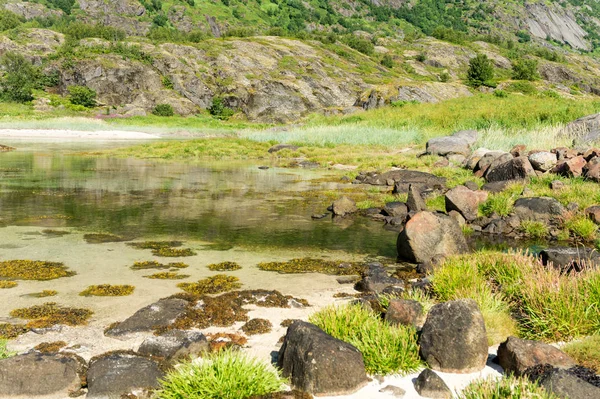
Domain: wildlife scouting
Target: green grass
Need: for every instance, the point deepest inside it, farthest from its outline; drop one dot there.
(227, 374)
(582, 228)
(4, 352)
(501, 203)
(386, 349)
(585, 351)
(508, 387)
(534, 229)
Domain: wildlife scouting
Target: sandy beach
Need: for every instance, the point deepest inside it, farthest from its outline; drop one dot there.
(74, 134)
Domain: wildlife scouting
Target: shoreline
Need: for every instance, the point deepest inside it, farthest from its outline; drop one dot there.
(25, 134)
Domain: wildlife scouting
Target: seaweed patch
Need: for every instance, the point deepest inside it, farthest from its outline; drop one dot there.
(50, 314)
(100, 238)
(33, 270)
(257, 326)
(311, 265)
(224, 266)
(212, 285)
(108, 290)
(167, 276)
(155, 244)
(50, 347)
(151, 264)
(173, 252)
(8, 284)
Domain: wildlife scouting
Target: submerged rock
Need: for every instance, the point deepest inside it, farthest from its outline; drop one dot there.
(376, 279)
(344, 206)
(319, 364)
(159, 314)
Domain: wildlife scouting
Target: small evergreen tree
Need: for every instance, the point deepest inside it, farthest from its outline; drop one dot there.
(481, 70)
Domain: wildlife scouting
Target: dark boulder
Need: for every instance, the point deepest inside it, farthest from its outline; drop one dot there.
(570, 258)
(572, 167)
(117, 374)
(516, 355)
(567, 386)
(459, 143)
(319, 364)
(376, 279)
(489, 158)
(405, 312)
(539, 208)
(174, 345)
(465, 201)
(427, 235)
(401, 179)
(415, 201)
(395, 209)
(593, 213)
(515, 169)
(453, 338)
(159, 314)
(41, 375)
(430, 385)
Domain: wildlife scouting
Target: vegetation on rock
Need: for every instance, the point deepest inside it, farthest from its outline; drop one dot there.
(586, 351)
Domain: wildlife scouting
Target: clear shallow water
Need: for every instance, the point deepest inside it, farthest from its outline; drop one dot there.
(230, 203)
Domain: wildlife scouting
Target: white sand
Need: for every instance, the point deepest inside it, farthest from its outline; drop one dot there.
(74, 134)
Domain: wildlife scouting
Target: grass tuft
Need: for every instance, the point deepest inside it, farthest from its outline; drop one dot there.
(508, 387)
(585, 351)
(534, 229)
(227, 374)
(582, 228)
(386, 349)
(4, 352)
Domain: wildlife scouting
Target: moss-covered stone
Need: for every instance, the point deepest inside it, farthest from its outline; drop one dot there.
(50, 347)
(100, 238)
(11, 331)
(257, 326)
(212, 285)
(50, 314)
(151, 264)
(224, 266)
(155, 244)
(108, 290)
(168, 276)
(311, 265)
(43, 294)
(173, 252)
(33, 270)
(8, 284)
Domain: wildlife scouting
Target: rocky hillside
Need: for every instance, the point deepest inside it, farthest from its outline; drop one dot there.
(279, 61)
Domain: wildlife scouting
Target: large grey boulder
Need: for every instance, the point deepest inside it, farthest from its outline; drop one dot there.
(159, 314)
(415, 201)
(116, 374)
(567, 386)
(539, 208)
(514, 169)
(473, 159)
(570, 258)
(427, 235)
(430, 385)
(401, 179)
(319, 364)
(516, 355)
(51, 376)
(543, 160)
(459, 143)
(465, 201)
(453, 338)
(174, 345)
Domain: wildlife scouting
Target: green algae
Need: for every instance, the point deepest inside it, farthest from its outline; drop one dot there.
(155, 244)
(257, 326)
(101, 238)
(167, 276)
(311, 265)
(173, 252)
(33, 270)
(8, 284)
(224, 266)
(212, 285)
(108, 290)
(50, 314)
(151, 264)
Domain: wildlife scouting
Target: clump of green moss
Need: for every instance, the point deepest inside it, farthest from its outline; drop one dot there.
(257, 326)
(224, 266)
(108, 290)
(173, 252)
(50, 314)
(11, 331)
(212, 285)
(151, 264)
(155, 244)
(43, 294)
(55, 233)
(8, 284)
(50, 347)
(168, 276)
(33, 270)
(310, 265)
(100, 238)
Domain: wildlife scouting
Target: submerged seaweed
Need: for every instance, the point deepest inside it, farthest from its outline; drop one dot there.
(167, 276)
(108, 290)
(33, 270)
(151, 264)
(55, 233)
(8, 284)
(212, 285)
(311, 265)
(100, 238)
(50, 347)
(11, 331)
(224, 266)
(43, 294)
(155, 244)
(173, 252)
(50, 314)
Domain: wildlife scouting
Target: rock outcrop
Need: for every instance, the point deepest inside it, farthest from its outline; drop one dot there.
(516, 355)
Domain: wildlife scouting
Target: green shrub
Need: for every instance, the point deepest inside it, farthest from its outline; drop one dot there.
(500, 93)
(359, 44)
(223, 375)
(508, 387)
(585, 351)
(521, 87)
(82, 95)
(582, 228)
(444, 77)
(20, 78)
(386, 349)
(9, 20)
(65, 5)
(219, 110)
(81, 30)
(525, 69)
(534, 228)
(387, 61)
(481, 70)
(421, 57)
(163, 110)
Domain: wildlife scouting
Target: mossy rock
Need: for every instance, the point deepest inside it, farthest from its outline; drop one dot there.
(224, 266)
(8, 284)
(168, 276)
(50, 347)
(212, 285)
(257, 326)
(108, 290)
(173, 252)
(155, 244)
(100, 238)
(311, 265)
(151, 264)
(33, 270)
(50, 314)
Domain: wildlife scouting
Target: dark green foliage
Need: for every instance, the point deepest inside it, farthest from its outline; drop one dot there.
(80, 30)
(81, 95)
(523, 36)
(421, 57)
(152, 5)
(20, 78)
(163, 110)
(521, 87)
(449, 35)
(359, 44)
(387, 61)
(219, 110)
(500, 93)
(9, 20)
(160, 20)
(525, 69)
(65, 5)
(444, 77)
(481, 71)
